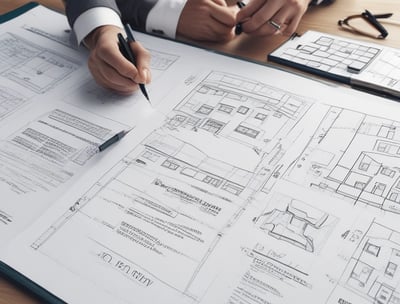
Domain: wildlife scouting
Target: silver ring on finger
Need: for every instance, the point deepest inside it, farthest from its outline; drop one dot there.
(274, 24)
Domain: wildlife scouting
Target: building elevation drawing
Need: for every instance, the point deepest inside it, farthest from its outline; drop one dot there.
(241, 110)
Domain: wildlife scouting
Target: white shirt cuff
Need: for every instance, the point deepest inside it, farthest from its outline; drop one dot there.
(164, 16)
(93, 18)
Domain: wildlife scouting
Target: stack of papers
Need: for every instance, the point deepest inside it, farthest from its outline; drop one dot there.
(258, 186)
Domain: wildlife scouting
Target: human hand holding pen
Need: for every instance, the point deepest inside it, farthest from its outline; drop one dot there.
(125, 49)
(110, 68)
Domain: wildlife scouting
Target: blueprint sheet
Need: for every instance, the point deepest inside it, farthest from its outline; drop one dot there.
(241, 184)
(361, 64)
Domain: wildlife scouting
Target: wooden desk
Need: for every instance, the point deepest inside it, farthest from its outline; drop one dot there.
(8, 5)
(319, 18)
(322, 19)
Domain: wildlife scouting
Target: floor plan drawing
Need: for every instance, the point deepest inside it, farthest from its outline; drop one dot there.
(296, 222)
(385, 70)
(364, 65)
(372, 274)
(10, 101)
(329, 54)
(355, 156)
(32, 66)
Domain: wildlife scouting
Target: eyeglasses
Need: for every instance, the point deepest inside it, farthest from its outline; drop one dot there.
(365, 24)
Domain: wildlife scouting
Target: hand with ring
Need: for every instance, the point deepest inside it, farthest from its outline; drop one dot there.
(269, 17)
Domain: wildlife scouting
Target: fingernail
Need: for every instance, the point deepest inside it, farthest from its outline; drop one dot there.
(146, 75)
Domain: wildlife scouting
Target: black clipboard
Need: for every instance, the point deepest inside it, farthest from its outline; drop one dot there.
(17, 12)
(27, 284)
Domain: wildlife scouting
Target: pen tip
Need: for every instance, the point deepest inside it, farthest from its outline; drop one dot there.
(144, 91)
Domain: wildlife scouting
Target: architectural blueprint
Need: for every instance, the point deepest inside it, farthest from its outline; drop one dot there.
(10, 101)
(88, 95)
(32, 66)
(186, 193)
(40, 158)
(362, 64)
(51, 125)
(384, 71)
(371, 274)
(233, 187)
(363, 167)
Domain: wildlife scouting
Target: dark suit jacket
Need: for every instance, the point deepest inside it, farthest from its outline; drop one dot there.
(131, 11)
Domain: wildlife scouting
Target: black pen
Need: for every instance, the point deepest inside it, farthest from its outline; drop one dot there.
(372, 19)
(127, 52)
(112, 140)
(238, 27)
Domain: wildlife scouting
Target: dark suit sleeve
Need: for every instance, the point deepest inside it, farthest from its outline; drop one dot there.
(74, 8)
(131, 11)
(135, 12)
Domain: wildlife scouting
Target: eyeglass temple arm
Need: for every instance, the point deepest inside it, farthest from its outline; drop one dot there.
(383, 16)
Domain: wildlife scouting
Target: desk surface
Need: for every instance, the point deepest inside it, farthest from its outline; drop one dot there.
(319, 18)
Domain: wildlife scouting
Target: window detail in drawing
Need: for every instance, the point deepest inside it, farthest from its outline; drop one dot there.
(391, 269)
(177, 120)
(372, 249)
(242, 110)
(212, 181)
(387, 132)
(388, 172)
(205, 109)
(212, 126)
(247, 131)
(170, 165)
(260, 116)
(225, 108)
